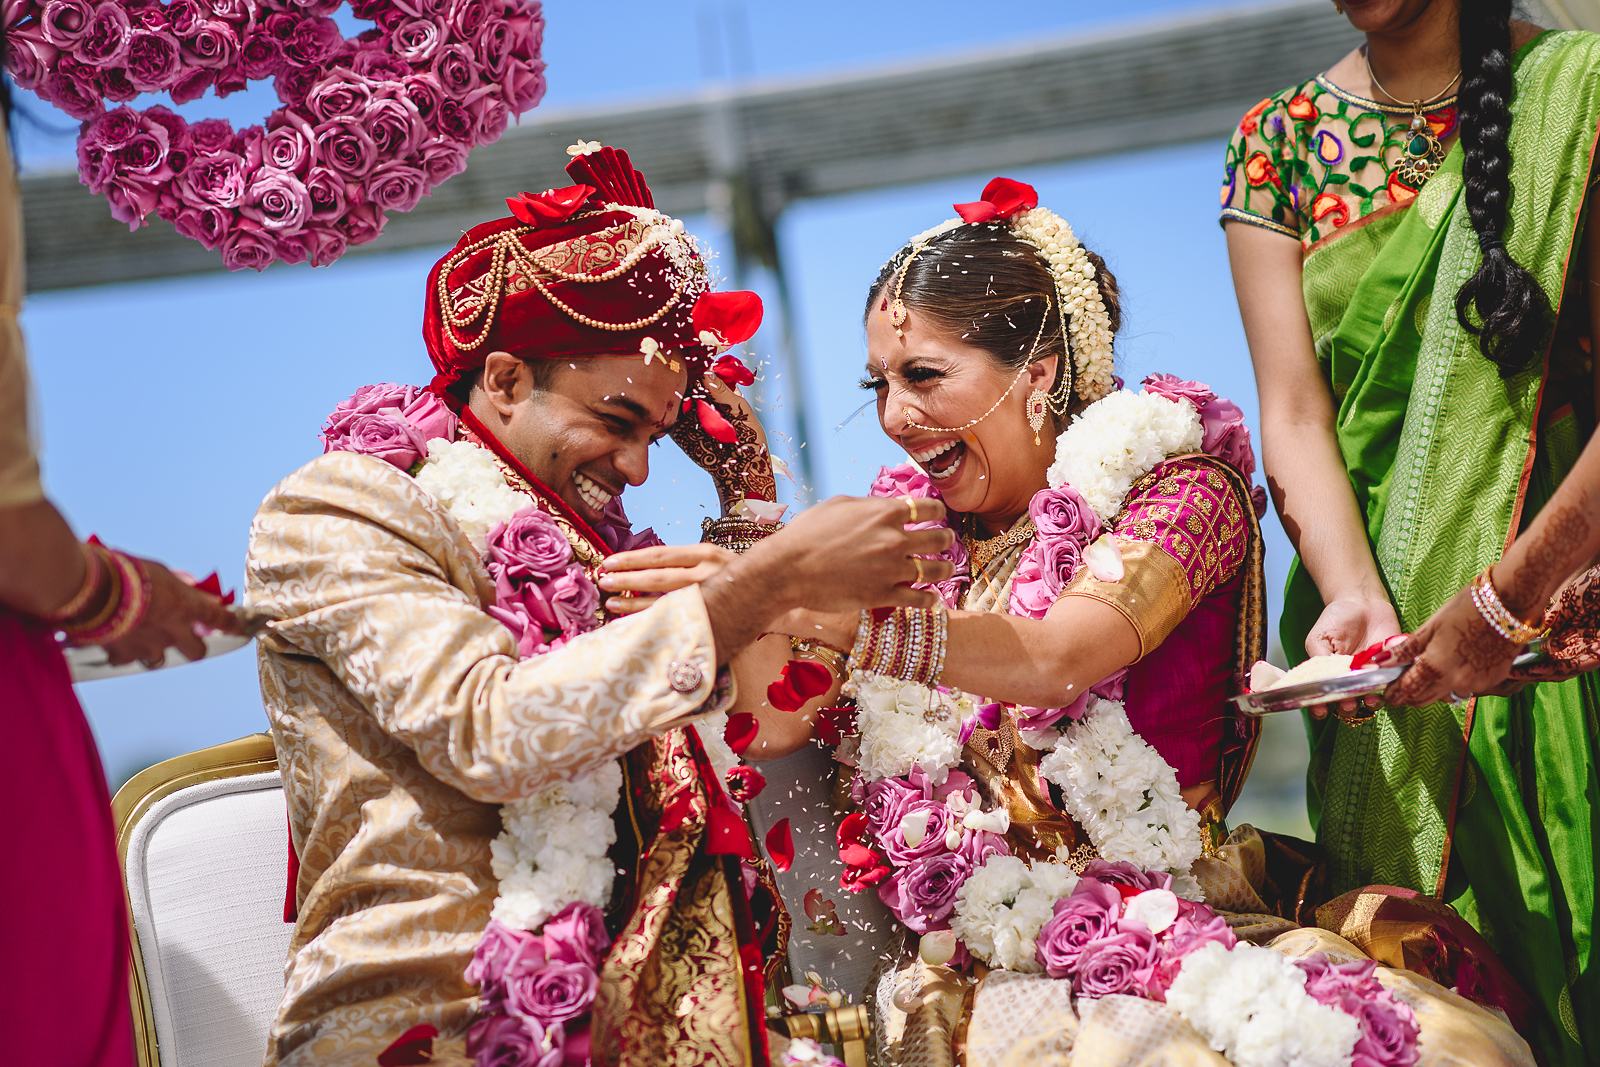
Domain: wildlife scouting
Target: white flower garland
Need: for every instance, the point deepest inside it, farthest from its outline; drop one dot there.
(904, 724)
(551, 850)
(1003, 905)
(1118, 440)
(1087, 319)
(1251, 1005)
(1124, 795)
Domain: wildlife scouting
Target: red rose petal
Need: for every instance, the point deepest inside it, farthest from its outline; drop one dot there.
(1010, 197)
(741, 731)
(977, 211)
(852, 827)
(855, 854)
(733, 372)
(780, 845)
(727, 834)
(413, 1046)
(711, 421)
(733, 316)
(744, 783)
(801, 680)
(552, 205)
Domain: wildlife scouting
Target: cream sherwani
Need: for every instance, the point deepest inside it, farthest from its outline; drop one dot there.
(402, 718)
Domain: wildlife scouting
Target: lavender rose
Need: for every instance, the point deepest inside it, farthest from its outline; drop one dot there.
(395, 125)
(497, 951)
(509, 1041)
(527, 614)
(337, 97)
(1124, 962)
(207, 225)
(938, 820)
(452, 120)
(131, 200)
(491, 115)
(552, 993)
(361, 223)
(467, 17)
(246, 248)
(885, 803)
(426, 412)
(523, 85)
(1086, 916)
(105, 43)
(442, 160)
(530, 547)
(416, 40)
(144, 157)
(1125, 873)
(65, 22)
(425, 94)
(1389, 1033)
(456, 69)
(216, 180)
(279, 203)
(345, 145)
(575, 600)
(1063, 512)
(1198, 394)
(923, 894)
(576, 934)
(903, 480)
(154, 60)
(385, 436)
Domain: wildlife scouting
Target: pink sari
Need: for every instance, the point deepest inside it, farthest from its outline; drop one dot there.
(63, 930)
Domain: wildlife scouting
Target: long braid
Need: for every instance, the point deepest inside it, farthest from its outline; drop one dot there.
(1502, 304)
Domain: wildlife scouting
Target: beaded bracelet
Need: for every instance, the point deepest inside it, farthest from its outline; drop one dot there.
(1499, 617)
(907, 643)
(736, 534)
(128, 606)
(93, 572)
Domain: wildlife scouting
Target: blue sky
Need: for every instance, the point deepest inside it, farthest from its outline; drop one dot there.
(168, 409)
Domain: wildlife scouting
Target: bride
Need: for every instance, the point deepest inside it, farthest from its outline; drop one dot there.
(1040, 766)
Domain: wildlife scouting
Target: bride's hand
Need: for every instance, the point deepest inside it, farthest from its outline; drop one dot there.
(635, 580)
(741, 470)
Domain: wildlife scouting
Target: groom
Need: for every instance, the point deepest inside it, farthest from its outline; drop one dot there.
(567, 339)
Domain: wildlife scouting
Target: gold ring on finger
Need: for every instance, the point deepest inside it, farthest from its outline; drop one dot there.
(916, 561)
(911, 508)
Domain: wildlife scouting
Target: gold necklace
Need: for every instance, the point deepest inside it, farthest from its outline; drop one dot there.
(1423, 152)
(984, 551)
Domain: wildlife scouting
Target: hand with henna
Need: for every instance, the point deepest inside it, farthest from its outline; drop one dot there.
(741, 469)
(1456, 654)
(1572, 646)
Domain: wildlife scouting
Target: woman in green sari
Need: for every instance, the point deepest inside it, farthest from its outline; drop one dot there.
(1412, 266)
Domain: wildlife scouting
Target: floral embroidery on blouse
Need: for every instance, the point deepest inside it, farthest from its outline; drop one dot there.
(1314, 158)
(1187, 509)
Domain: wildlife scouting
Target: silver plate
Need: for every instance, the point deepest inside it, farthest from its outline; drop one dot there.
(89, 663)
(1351, 686)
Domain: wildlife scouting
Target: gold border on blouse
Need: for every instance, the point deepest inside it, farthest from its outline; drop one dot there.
(1153, 594)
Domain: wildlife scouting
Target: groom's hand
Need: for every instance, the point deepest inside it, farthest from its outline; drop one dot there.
(635, 580)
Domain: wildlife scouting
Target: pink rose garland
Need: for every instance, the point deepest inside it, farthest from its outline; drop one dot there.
(369, 125)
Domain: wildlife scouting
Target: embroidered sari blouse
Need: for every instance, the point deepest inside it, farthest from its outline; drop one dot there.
(1313, 159)
(1186, 536)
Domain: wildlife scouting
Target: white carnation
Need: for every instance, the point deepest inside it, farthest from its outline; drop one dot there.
(464, 479)
(902, 725)
(1001, 908)
(1116, 441)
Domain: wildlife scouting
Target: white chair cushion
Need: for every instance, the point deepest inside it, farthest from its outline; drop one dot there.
(205, 875)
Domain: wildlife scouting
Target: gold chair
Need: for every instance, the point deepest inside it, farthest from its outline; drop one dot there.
(202, 839)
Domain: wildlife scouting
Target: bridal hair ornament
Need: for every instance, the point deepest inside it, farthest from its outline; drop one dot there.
(1085, 320)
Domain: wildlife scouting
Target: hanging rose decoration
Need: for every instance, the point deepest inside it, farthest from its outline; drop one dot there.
(369, 124)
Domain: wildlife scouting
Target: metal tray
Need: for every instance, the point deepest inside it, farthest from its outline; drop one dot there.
(89, 663)
(1351, 686)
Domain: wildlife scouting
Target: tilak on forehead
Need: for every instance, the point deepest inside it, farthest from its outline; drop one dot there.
(587, 270)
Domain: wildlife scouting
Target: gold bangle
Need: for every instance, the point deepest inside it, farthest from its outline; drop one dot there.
(836, 660)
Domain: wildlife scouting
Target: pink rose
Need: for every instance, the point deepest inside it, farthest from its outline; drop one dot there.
(1064, 513)
(154, 60)
(361, 223)
(280, 26)
(210, 135)
(1225, 435)
(395, 125)
(192, 85)
(261, 57)
(491, 115)
(500, 948)
(176, 126)
(456, 69)
(424, 93)
(29, 57)
(326, 190)
(552, 993)
(1123, 962)
(442, 160)
(421, 410)
(893, 839)
(105, 43)
(467, 17)
(65, 22)
(131, 200)
(326, 245)
(207, 225)
(375, 62)
(509, 1041)
(576, 934)
(1124, 873)
(526, 612)
(236, 12)
(575, 599)
(493, 46)
(416, 40)
(1389, 1033)
(396, 186)
(923, 894)
(384, 436)
(453, 121)
(211, 44)
(144, 157)
(903, 480)
(246, 249)
(1088, 915)
(530, 547)
(115, 86)
(345, 145)
(336, 96)
(115, 129)
(1198, 394)
(294, 84)
(313, 41)
(886, 802)
(288, 147)
(183, 16)
(214, 181)
(71, 87)
(1044, 566)
(523, 85)
(278, 202)
(979, 845)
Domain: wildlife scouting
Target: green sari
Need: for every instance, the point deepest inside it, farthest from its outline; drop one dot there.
(1493, 805)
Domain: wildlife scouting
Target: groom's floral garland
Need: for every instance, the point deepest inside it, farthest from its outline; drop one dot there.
(1131, 921)
(538, 963)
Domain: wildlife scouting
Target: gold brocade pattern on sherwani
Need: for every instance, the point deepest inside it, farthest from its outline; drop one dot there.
(402, 718)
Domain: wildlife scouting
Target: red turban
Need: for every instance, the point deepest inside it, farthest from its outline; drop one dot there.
(587, 270)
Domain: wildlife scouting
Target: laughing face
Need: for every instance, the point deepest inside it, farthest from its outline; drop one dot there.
(931, 387)
(583, 427)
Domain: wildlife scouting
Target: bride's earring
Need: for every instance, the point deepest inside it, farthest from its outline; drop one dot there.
(1038, 404)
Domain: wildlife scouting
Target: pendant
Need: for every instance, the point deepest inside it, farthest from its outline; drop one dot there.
(1423, 153)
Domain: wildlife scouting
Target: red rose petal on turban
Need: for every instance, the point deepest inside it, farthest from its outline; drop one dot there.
(733, 316)
(741, 731)
(711, 421)
(552, 205)
(801, 680)
(733, 372)
(780, 845)
(413, 1046)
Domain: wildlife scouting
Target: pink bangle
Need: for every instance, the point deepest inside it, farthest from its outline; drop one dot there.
(130, 610)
